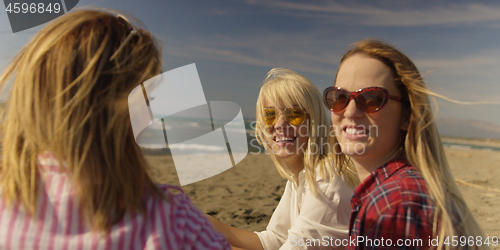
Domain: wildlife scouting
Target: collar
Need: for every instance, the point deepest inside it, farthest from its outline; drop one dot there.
(48, 162)
(301, 179)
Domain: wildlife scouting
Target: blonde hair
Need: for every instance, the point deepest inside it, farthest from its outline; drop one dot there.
(288, 88)
(422, 143)
(69, 98)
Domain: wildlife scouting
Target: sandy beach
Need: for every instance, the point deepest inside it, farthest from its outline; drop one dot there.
(246, 195)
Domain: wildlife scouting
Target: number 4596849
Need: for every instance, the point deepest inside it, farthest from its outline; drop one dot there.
(33, 8)
(470, 241)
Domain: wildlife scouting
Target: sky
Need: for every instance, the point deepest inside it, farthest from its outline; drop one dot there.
(234, 43)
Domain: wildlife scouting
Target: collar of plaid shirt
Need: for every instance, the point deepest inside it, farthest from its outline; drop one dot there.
(379, 176)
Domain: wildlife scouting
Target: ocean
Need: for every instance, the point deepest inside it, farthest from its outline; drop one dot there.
(180, 132)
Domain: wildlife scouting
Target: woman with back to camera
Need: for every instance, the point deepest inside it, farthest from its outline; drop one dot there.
(385, 125)
(71, 173)
(293, 127)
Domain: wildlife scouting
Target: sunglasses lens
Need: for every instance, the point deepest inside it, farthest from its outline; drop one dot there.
(269, 116)
(371, 101)
(337, 99)
(295, 115)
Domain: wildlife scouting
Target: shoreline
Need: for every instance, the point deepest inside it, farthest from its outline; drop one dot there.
(472, 141)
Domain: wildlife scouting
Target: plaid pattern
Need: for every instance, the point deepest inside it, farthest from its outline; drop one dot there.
(392, 204)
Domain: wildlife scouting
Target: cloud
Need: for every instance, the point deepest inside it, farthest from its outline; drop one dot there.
(472, 77)
(303, 52)
(464, 64)
(465, 73)
(369, 15)
(314, 54)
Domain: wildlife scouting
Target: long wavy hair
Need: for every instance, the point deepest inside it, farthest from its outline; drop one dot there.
(286, 87)
(67, 96)
(422, 143)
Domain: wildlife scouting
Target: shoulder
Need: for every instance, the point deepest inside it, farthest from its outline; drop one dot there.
(325, 212)
(332, 198)
(170, 189)
(404, 186)
(176, 199)
(192, 227)
(413, 186)
(331, 188)
(180, 210)
(404, 192)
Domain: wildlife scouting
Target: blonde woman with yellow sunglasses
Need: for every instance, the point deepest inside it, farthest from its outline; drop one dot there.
(293, 128)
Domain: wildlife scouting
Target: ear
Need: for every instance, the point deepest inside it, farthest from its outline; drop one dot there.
(406, 120)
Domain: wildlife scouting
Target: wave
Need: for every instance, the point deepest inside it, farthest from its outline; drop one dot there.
(194, 148)
(469, 146)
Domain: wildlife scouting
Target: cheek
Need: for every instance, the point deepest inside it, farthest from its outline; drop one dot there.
(336, 118)
(303, 131)
(389, 128)
(269, 129)
(302, 134)
(268, 135)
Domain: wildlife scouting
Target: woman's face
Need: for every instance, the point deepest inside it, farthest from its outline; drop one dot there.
(368, 136)
(288, 142)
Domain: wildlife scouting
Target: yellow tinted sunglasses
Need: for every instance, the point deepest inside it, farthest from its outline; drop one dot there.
(293, 115)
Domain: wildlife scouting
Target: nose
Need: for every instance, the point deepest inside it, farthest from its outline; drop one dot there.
(352, 111)
(281, 122)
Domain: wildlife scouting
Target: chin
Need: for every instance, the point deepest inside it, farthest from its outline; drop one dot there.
(282, 153)
(353, 149)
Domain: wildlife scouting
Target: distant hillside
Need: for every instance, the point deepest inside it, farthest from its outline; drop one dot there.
(455, 127)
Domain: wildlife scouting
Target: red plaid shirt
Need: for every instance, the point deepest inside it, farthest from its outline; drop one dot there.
(392, 209)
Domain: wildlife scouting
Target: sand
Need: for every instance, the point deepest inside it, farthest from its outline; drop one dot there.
(246, 195)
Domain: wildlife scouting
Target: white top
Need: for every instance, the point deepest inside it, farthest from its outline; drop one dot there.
(305, 221)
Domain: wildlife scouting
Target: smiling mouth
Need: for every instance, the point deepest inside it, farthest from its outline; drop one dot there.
(355, 132)
(282, 140)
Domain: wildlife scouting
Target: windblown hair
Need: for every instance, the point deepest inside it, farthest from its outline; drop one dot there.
(422, 143)
(69, 98)
(286, 88)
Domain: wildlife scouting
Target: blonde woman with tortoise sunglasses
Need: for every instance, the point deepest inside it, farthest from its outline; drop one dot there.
(385, 127)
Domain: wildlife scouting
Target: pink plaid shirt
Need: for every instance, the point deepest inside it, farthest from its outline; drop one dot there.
(172, 224)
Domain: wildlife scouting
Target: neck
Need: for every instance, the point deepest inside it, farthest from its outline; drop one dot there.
(366, 165)
(295, 166)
